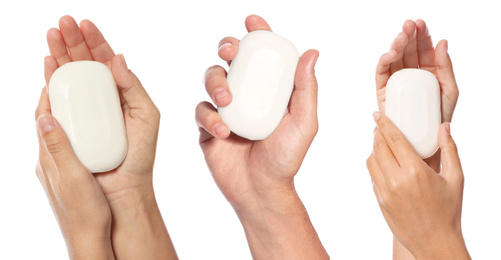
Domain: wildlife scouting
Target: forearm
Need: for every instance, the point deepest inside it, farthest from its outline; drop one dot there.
(138, 230)
(281, 229)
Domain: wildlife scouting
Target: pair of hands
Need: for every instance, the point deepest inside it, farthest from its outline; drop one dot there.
(420, 200)
(100, 215)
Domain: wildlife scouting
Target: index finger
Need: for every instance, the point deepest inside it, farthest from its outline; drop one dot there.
(256, 22)
(228, 46)
(399, 146)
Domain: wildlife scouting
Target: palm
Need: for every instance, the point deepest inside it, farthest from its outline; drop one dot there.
(247, 163)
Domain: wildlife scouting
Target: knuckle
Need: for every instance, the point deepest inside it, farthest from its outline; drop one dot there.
(54, 144)
(378, 144)
(395, 138)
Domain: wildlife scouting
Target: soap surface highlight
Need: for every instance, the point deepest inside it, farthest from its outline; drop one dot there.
(84, 99)
(413, 104)
(261, 80)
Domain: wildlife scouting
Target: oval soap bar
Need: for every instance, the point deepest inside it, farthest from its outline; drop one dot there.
(261, 80)
(84, 100)
(413, 104)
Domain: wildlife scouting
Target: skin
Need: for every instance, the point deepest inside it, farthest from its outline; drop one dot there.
(128, 219)
(257, 177)
(421, 206)
(413, 48)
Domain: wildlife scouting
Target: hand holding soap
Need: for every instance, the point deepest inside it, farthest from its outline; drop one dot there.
(261, 80)
(84, 99)
(413, 104)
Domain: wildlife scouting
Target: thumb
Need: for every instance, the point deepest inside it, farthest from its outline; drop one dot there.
(303, 104)
(131, 89)
(57, 144)
(451, 165)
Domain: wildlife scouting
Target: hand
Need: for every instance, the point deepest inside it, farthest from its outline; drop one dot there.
(128, 188)
(421, 206)
(413, 48)
(256, 177)
(78, 202)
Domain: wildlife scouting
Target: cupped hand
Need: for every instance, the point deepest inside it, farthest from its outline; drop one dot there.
(421, 206)
(413, 48)
(249, 171)
(72, 42)
(76, 198)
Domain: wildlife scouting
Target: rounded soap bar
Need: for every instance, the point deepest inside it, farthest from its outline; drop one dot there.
(84, 100)
(261, 80)
(413, 104)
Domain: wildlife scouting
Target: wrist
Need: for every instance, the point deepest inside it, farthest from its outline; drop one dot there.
(444, 245)
(89, 245)
(270, 199)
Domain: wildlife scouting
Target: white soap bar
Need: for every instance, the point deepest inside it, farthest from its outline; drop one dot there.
(413, 104)
(84, 100)
(261, 80)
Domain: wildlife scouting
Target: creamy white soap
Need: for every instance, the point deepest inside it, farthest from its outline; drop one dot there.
(413, 104)
(84, 100)
(261, 80)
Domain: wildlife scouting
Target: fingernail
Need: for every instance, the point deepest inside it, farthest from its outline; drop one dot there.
(122, 59)
(220, 129)
(220, 94)
(224, 46)
(45, 123)
(376, 116)
(448, 128)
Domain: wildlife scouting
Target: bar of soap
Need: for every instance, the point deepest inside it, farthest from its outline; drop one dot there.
(84, 99)
(413, 104)
(261, 80)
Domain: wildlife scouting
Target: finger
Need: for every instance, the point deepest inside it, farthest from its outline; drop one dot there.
(50, 65)
(57, 48)
(376, 173)
(448, 85)
(217, 86)
(383, 74)
(207, 118)
(410, 59)
(129, 86)
(256, 22)
(303, 102)
(99, 48)
(451, 165)
(425, 49)
(382, 152)
(399, 46)
(228, 48)
(42, 108)
(58, 145)
(399, 146)
(74, 39)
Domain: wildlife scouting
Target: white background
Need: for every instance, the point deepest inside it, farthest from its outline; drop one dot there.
(170, 44)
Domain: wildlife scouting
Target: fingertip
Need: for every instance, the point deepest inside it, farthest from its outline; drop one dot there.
(221, 97)
(227, 49)
(376, 115)
(409, 27)
(45, 124)
(66, 20)
(255, 22)
(422, 28)
(221, 130)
